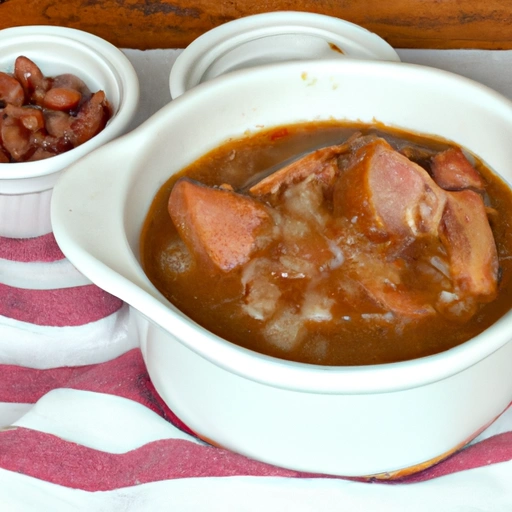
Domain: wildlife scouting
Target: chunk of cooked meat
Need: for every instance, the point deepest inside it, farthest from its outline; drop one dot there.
(401, 301)
(387, 195)
(383, 280)
(218, 225)
(469, 242)
(451, 170)
(321, 163)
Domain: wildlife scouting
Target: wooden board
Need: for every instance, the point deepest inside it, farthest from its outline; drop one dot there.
(146, 24)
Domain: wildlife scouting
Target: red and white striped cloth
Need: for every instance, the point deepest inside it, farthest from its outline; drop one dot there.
(82, 428)
(98, 425)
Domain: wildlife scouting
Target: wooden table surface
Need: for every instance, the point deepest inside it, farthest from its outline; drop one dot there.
(148, 24)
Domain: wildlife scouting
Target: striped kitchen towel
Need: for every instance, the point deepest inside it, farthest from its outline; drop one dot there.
(84, 429)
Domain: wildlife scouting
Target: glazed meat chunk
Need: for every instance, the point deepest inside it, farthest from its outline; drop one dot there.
(217, 225)
(391, 199)
(386, 195)
(453, 171)
(321, 164)
(469, 242)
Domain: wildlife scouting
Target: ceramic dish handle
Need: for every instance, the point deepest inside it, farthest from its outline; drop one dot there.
(87, 215)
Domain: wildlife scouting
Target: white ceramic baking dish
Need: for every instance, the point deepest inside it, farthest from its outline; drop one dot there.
(385, 420)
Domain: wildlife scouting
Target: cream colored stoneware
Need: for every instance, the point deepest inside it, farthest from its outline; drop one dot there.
(26, 188)
(359, 421)
(273, 37)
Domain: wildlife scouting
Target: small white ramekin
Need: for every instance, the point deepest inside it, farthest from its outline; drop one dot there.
(26, 187)
(273, 37)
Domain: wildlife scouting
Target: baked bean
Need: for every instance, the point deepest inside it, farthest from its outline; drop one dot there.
(11, 91)
(31, 79)
(91, 118)
(58, 124)
(58, 98)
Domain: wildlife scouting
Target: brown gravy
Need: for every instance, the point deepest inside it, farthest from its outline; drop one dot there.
(213, 300)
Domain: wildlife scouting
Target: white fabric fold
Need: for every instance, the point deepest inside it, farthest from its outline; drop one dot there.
(479, 490)
(41, 276)
(43, 347)
(12, 412)
(103, 422)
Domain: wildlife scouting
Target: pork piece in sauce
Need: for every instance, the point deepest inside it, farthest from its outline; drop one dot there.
(44, 116)
(217, 225)
(321, 164)
(356, 229)
(469, 243)
(453, 171)
(395, 199)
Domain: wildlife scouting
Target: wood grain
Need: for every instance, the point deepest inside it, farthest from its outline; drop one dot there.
(146, 24)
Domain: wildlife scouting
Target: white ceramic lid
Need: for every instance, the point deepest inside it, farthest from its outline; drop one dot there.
(273, 37)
